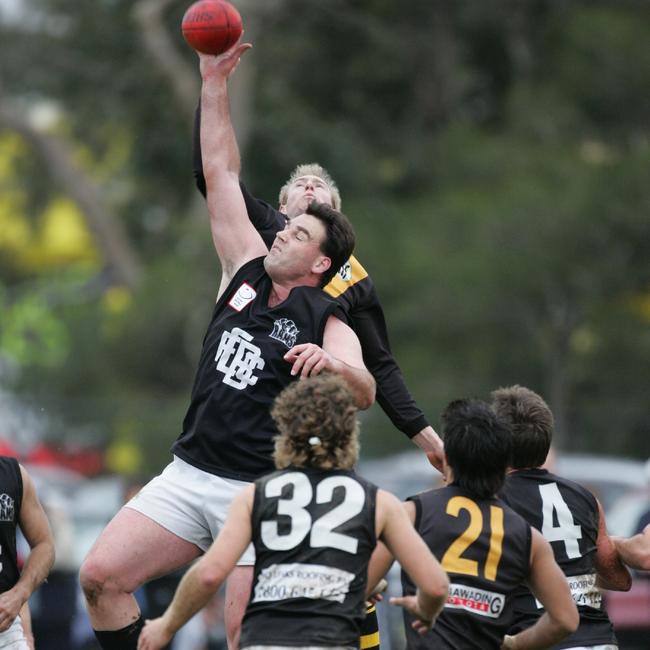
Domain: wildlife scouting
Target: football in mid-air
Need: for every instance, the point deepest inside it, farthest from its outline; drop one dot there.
(211, 26)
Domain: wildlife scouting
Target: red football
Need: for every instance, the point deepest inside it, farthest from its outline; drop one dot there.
(211, 26)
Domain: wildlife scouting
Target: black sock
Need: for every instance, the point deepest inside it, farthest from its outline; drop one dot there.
(124, 639)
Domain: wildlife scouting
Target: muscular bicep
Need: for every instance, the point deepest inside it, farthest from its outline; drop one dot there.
(341, 342)
(235, 239)
(612, 573)
(32, 520)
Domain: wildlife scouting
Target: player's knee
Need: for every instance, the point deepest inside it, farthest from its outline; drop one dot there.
(91, 581)
(96, 579)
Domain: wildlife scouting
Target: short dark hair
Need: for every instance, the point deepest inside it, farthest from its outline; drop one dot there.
(339, 239)
(478, 446)
(531, 422)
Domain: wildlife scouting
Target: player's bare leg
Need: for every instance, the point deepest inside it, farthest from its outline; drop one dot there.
(131, 550)
(238, 591)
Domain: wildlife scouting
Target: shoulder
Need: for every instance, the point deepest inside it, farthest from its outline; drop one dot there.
(352, 278)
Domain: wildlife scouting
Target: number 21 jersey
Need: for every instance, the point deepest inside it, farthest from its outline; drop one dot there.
(484, 546)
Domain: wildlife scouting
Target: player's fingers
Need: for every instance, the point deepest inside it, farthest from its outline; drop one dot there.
(295, 351)
(300, 361)
(317, 367)
(311, 362)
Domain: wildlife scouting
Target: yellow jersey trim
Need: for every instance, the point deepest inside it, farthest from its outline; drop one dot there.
(369, 641)
(353, 272)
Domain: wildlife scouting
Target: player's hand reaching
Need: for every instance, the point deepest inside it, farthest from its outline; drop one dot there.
(223, 65)
(309, 359)
(421, 624)
(154, 635)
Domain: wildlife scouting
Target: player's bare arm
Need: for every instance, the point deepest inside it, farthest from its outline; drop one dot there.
(36, 529)
(235, 238)
(341, 354)
(402, 540)
(612, 573)
(206, 576)
(635, 550)
(548, 584)
(26, 621)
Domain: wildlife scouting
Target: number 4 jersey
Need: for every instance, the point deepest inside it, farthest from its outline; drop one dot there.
(567, 516)
(314, 532)
(485, 548)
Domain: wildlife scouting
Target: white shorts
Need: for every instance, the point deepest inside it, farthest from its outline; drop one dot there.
(14, 637)
(190, 503)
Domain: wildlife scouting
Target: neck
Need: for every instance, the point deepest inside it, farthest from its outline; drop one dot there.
(280, 292)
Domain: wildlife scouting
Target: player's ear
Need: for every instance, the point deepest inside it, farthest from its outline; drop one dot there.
(283, 208)
(321, 264)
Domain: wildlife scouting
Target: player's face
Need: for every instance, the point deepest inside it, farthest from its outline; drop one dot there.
(296, 250)
(302, 192)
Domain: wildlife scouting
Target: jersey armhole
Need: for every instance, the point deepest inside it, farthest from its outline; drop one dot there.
(418, 510)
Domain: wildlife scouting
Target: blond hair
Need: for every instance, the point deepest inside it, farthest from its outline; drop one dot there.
(312, 169)
(318, 426)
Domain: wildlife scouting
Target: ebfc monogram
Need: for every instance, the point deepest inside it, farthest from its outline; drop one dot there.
(237, 358)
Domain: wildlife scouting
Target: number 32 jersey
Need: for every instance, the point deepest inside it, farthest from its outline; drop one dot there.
(567, 516)
(484, 546)
(314, 532)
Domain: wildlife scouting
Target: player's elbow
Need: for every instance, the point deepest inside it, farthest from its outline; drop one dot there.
(437, 585)
(211, 578)
(365, 396)
(567, 619)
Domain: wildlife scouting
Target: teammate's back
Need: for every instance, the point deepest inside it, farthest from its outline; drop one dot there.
(566, 514)
(486, 548)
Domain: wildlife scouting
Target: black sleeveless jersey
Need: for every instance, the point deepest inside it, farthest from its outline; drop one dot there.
(314, 532)
(11, 499)
(485, 548)
(567, 516)
(228, 429)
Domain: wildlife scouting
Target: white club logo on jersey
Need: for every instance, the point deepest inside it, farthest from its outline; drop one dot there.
(242, 297)
(346, 271)
(6, 508)
(237, 358)
(285, 330)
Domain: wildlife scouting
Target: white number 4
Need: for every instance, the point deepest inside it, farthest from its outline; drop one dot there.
(567, 530)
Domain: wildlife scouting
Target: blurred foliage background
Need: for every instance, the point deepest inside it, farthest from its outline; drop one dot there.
(494, 157)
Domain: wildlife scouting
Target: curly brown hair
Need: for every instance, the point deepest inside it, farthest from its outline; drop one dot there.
(318, 426)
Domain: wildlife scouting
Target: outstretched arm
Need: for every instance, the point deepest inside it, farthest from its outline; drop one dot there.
(341, 353)
(36, 529)
(235, 238)
(612, 573)
(206, 576)
(266, 219)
